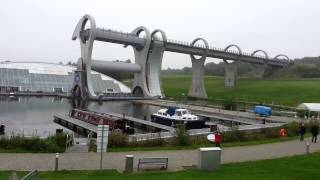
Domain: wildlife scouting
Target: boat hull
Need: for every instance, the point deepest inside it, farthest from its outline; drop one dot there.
(198, 124)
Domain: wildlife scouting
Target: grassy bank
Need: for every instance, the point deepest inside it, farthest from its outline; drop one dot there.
(21, 144)
(297, 167)
(118, 142)
(289, 92)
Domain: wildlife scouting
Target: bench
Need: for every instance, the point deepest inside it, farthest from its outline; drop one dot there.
(162, 161)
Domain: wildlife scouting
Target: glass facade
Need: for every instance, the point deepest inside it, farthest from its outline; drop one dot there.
(45, 77)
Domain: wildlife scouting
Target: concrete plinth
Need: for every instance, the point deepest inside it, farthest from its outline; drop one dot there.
(231, 70)
(209, 158)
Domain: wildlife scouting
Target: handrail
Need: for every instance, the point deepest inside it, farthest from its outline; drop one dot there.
(33, 175)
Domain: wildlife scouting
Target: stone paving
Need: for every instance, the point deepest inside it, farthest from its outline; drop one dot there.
(177, 158)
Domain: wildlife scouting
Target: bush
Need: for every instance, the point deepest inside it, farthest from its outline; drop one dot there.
(270, 132)
(233, 136)
(92, 146)
(182, 137)
(230, 104)
(292, 129)
(148, 143)
(51, 144)
(117, 139)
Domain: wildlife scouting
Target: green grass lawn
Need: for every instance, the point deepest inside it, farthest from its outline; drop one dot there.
(290, 92)
(302, 167)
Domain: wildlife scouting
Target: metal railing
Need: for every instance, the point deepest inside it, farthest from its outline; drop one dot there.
(33, 175)
(69, 141)
(183, 43)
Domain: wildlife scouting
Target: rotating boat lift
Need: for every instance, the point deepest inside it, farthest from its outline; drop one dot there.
(148, 52)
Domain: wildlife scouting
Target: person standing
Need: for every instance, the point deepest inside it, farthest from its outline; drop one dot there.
(302, 131)
(217, 138)
(314, 131)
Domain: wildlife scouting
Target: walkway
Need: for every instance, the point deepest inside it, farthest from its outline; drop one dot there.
(177, 159)
(211, 111)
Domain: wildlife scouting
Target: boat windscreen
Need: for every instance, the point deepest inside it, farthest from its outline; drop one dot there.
(171, 111)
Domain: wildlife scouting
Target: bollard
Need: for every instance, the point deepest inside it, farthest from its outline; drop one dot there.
(56, 162)
(13, 176)
(307, 148)
(129, 164)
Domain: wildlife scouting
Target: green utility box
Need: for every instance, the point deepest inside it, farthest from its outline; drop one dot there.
(209, 158)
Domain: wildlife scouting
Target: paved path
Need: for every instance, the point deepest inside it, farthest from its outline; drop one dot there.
(177, 159)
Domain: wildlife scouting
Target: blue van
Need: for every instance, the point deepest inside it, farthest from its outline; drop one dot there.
(263, 111)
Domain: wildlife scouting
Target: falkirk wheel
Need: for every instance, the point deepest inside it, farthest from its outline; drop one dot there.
(148, 52)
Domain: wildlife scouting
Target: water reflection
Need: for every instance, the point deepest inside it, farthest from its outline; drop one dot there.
(34, 115)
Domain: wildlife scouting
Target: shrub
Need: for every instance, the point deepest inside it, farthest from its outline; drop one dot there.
(182, 137)
(117, 139)
(233, 136)
(230, 104)
(148, 143)
(292, 129)
(270, 132)
(54, 143)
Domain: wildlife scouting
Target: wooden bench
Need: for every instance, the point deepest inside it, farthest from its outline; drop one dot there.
(161, 161)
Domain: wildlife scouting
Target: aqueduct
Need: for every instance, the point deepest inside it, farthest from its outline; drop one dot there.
(148, 52)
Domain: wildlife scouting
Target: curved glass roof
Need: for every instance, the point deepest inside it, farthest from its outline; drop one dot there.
(47, 76)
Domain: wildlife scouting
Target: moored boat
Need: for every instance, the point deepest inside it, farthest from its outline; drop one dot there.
(174, 116)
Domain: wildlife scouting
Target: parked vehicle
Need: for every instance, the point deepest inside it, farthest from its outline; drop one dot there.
(262, 111)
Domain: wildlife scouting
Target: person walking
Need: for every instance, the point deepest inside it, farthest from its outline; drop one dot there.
(302, 131)
(314, 131)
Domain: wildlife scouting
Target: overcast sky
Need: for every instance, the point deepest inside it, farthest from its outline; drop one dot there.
(41, 30)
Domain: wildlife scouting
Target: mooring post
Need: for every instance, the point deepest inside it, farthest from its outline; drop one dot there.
(101, 151)
(13, 176)
(307, 148)
(56, 162)
(129, 164)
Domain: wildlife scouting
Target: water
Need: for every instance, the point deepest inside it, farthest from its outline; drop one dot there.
(34, 115)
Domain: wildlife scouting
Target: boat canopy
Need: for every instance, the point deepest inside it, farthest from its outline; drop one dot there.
(171, 110)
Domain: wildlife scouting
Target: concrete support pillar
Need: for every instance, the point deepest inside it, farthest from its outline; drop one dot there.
(147, 81)
(79, 87)
(154, 67)
(231, 71)
(197, 88)
(84, 69)
(259, 71)
(139, 86)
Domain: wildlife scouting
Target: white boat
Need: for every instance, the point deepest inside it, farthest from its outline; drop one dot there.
(174, 116)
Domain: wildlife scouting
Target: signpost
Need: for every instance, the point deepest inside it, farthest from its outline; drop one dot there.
(102, 141)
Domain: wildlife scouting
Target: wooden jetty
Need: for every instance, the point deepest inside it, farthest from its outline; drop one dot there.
(84, 122)
(75, 125)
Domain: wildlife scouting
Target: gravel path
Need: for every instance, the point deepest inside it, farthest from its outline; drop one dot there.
(177, 159)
